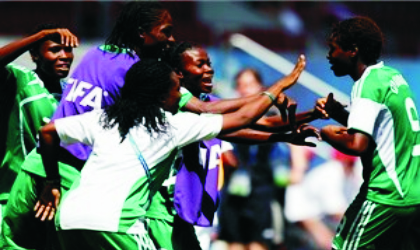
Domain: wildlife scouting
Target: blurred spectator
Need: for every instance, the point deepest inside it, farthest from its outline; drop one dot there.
(246, 218)
(317, 200)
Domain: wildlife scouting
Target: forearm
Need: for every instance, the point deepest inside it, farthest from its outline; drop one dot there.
(246, 136)
(219, 106)
(340, 139)
(13, 50)
(246, 115)
(251, 136)
(49, 149)
(277, 124)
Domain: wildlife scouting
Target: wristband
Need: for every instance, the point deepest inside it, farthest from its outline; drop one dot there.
(272, 97)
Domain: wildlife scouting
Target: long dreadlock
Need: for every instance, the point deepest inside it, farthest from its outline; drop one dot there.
(134, 16)
(174, 55)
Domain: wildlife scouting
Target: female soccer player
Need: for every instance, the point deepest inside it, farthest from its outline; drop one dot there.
(383, 129)
(168, 230)
(134, 143)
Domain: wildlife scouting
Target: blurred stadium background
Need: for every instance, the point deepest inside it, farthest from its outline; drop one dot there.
(266, 35)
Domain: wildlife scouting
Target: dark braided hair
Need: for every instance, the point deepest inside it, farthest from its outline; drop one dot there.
(174, 54)
(139, 104)
(363, 33)
(134, 16)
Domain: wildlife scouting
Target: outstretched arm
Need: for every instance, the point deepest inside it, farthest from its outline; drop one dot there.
(252, 111)
(278, 124)
(14, 49)
(231, 105)
(250, 136)
(49, 148)
(195, 105)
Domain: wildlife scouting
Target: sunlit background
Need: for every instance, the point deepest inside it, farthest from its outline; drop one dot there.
(265, 35)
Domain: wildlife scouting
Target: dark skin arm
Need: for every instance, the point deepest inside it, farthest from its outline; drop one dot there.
(252, 111)
(349, 142)
(249, 136)
(195, 105)
(45, 208)
(14, 49)
(278, 124)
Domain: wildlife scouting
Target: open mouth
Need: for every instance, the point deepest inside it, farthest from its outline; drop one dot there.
(207, 81)
(63, 66)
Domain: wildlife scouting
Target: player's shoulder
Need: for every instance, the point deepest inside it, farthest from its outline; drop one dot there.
(381, 73)
(378, 81)
(18, 69)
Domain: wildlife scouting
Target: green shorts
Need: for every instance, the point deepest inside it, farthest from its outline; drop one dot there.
(20, 228)
(97, 240)
(176, 235)
(369, 225)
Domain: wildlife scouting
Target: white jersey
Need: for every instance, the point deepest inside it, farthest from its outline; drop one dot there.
(113, 189)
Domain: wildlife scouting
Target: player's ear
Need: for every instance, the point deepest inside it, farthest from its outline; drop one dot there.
(179, 73)
(354, 50)
(34, 56)
(141, 32)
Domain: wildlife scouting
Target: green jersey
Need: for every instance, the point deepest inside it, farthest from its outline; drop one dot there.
(26, 106)
(383, 107)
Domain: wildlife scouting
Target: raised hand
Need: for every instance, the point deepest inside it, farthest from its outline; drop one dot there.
(328, 107)
(67, 38)
(292, 78)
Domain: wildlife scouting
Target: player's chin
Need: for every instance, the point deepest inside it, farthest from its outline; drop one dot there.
(338, 72)
(207, 89)
(62, 73)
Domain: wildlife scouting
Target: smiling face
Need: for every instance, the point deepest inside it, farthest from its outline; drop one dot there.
(170, 101)
(159, 38)
(53, 59)
(340, 60)
(197, 71)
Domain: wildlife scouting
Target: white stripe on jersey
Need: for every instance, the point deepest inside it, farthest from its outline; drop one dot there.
(416, 150)
(21, 104)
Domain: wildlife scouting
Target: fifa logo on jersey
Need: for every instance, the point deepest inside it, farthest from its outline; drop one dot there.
(396, 82)
(215, 163)
(90, 96)
(214, 159)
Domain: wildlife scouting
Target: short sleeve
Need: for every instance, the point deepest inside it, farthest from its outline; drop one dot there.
(363, 115)
(190, 127)
(185, 97)
(79, 128)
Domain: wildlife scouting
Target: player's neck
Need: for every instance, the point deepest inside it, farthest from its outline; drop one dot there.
(52, 84)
